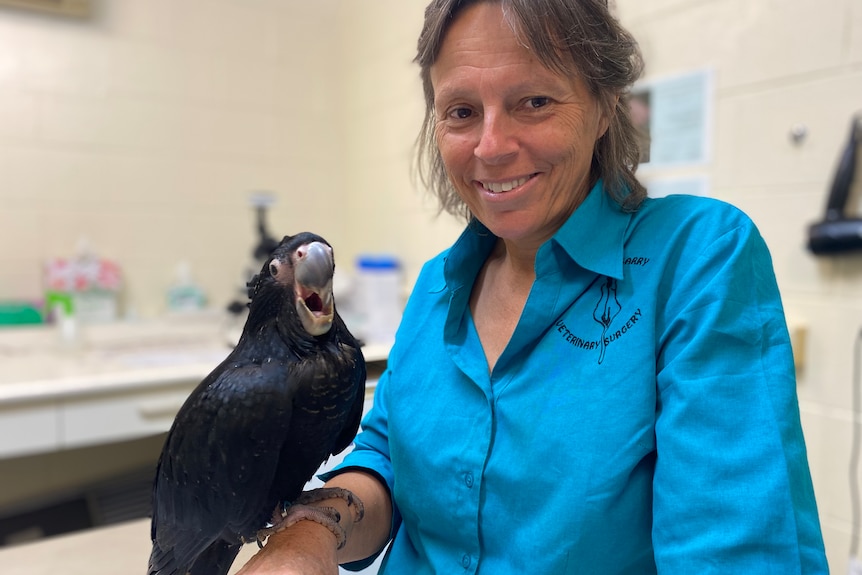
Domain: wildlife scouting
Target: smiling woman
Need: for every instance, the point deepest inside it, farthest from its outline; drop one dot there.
(569, 40)
(632, 349)
(516, 137)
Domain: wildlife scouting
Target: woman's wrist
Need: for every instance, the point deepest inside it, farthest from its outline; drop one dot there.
(312, 548)
(306, 548)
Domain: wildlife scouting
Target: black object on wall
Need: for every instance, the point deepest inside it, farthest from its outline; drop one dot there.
(838, 233)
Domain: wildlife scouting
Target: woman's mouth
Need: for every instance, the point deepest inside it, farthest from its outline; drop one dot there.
(500, 187)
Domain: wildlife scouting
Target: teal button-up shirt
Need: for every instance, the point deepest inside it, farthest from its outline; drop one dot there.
(643, 417)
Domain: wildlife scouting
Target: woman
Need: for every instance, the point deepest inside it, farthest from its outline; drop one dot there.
(587, 381)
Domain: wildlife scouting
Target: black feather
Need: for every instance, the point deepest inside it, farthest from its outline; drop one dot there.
(255, 430)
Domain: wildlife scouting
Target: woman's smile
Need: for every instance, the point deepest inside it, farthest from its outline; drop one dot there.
(498, 187)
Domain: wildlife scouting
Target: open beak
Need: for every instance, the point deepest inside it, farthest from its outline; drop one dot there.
(315, 304)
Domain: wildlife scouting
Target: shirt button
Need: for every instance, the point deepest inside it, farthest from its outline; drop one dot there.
(465, 561)
(468, 480)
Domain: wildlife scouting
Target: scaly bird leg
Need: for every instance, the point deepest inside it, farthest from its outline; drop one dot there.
(315, 495)
(288, 514)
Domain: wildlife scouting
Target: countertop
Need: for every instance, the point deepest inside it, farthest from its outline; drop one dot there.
(116, 550)
(114, 382)
(38, 365)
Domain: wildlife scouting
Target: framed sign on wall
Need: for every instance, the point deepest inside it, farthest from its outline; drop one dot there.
(674, 115)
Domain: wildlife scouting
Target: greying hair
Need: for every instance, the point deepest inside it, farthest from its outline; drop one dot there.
(569, 37)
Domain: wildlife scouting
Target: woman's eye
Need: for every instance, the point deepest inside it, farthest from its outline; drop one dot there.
(460, 113)
(538, 102)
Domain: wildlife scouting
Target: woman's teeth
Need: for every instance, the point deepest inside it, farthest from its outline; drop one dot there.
(499, 187)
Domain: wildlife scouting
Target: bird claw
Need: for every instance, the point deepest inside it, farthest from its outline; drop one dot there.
(286, 514)
(326, 516)
(315, 495)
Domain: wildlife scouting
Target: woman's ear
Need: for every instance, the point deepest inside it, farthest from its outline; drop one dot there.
(608, 111)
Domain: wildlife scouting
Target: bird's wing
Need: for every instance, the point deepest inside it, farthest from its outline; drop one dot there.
(356, 407)
(220, 457)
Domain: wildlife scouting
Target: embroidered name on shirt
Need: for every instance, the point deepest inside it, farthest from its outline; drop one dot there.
(635, 261)
(625, 328)
(578, 342)
(573, 339)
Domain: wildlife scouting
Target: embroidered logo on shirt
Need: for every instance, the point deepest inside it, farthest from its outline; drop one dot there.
(606, 310)
(605, 314)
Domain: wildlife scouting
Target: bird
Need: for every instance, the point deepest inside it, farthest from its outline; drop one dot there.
(254, 431)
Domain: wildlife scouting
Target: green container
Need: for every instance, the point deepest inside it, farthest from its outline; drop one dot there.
(19, 313)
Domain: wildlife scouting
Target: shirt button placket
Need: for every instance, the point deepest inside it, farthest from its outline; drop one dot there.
(467, 559)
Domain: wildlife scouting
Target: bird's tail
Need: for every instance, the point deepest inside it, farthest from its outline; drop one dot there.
(216, 559)
(164, 562)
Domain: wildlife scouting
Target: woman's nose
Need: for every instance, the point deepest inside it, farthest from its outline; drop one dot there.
(496, 140)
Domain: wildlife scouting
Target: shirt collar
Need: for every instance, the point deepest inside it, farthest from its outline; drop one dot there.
(594, 234)
(467, 254)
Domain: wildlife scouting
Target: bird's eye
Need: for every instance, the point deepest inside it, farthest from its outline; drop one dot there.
(273, 270)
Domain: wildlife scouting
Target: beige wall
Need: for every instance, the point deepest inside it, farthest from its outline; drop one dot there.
(382, 111)
(145, 127)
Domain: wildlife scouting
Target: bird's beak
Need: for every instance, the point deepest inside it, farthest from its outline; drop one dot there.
(313, 276)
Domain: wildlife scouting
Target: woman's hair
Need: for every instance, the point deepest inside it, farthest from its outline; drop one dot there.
(570, 37)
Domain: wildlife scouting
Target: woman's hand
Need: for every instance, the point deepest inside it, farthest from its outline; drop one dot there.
(305, 548)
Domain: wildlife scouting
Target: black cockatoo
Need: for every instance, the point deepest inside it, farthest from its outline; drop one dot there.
(255, 430)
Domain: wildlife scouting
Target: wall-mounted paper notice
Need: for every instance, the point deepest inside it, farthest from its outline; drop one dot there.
(674, 115)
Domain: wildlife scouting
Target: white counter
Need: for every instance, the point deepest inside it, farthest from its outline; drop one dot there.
(117, 550)
(116, 382)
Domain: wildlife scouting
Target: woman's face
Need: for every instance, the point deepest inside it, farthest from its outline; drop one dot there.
(516, 138)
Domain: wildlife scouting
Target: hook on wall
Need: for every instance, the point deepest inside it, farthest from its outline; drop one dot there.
(798, 134)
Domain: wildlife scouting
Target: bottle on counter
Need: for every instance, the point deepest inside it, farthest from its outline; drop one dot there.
(185, 295)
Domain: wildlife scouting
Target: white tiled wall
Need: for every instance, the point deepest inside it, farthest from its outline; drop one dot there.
(144, 128)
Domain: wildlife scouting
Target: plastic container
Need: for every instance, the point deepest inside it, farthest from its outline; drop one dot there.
(19, 313)
(378, 297)
(185, 295)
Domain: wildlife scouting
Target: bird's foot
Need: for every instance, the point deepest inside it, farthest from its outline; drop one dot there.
(323, 493)
(289, 514)
(326, 516)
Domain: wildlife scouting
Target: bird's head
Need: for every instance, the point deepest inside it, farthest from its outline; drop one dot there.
(302, 266)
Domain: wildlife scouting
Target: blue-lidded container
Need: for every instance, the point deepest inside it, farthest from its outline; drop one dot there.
(378, 297)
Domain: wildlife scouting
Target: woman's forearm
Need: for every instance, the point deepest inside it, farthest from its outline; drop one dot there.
(310, 548)
(371, 533)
